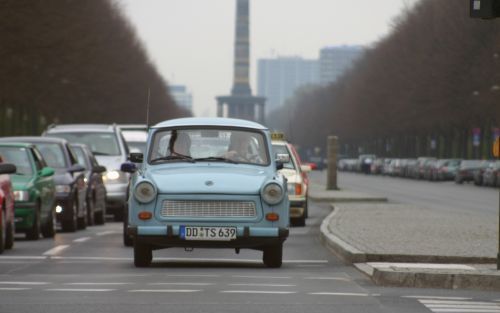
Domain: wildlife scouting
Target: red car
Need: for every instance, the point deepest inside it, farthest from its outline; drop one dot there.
(6, 207)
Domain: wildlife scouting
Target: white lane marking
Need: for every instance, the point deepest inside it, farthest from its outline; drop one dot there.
(166, 290)
(259, 292)
(108, 232)
(192, 275)
(444, 306)
(436, 298)
(328, 278)
(13, 289)
(22, 257)
(90, 258)
(83, 239)
(97, 284)
(79, 290)
(421, 265)
(33, 283)
(343, 294)
(305, 261)
(434, 302)
(181, 284)
(262, 285)
(56, 250)
(262, 277)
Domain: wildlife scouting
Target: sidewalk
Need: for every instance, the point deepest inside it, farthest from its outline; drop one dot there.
(410, 246)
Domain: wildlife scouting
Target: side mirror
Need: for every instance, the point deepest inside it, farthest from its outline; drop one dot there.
(7, 168)
(46, 172)
(99, 169)
(283, 158)
(76, 168)
(136, 157)
(128, 167)
(305, 168)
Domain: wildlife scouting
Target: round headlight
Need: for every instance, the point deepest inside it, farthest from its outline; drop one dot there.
(145, 192)
(272, 193)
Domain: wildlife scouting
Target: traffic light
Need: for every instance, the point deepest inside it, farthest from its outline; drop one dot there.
(485, 8)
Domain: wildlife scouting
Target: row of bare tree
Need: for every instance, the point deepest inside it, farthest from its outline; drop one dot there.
(433, 80)
(76, 61)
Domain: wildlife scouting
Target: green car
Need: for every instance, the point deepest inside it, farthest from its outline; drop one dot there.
(34, 190)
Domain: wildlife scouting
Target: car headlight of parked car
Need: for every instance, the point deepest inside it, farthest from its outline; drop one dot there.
(272, 193)
(145, 192)
(114, 177)
(21, 195)
(63, 188)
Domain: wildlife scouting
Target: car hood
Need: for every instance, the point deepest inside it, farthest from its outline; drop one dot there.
(20, 182)
(208, 179)
(110, 162)
(62, 177)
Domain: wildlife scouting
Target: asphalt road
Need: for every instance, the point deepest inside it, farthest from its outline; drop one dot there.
(90, 271)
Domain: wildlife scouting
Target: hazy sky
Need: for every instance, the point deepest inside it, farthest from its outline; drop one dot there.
(191, 41)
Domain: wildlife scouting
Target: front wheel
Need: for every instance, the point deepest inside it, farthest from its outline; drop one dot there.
(273, 256)
(143, 255)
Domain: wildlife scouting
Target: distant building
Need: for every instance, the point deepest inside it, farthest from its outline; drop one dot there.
(182, 97)
(279, 78)
(334, 61)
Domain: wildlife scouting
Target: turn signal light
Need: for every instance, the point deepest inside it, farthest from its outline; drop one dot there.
(298, 189)
(144, 215)
(272, 217)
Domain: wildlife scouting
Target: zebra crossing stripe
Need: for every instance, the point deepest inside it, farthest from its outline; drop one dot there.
(445, 306)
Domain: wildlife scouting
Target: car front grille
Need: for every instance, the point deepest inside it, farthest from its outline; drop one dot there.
(208, 208)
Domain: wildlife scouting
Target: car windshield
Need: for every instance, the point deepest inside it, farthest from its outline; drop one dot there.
(282, 149)
(53, 154)
(19, 157)
(209, 144)
(100, 143)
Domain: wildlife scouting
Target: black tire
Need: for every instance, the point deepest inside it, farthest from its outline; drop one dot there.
(90, 212)
(299, 221)
(273, 256)
(3, 226)
(128, 241)
(49, 228)
(34, 232)
(143, 255)
(70, 225)
(82, 221)
(9, 236)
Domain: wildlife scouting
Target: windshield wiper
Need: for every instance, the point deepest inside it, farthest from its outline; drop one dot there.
(174, 157)
(222, 159)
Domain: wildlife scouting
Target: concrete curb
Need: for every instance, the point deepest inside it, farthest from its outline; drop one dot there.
(445, 279)
(482, 280)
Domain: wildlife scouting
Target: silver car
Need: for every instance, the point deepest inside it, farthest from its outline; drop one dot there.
(110, 150)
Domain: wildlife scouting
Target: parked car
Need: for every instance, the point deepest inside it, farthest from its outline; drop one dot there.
(110, 149)
(6, 207)
(478, 172)
(34, 190)
(377, 166)
(96, 191)
(296, 175)
(136, 136)
(446, 169)
(365, 162)
(211, 183)
(466, 171)
(69, 180)
(490, 174)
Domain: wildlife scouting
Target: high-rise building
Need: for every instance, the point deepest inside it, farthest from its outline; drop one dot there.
(182, 96)
(279, 78)
(334, 61)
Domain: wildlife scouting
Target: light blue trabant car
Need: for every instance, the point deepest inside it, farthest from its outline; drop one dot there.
(211, 183)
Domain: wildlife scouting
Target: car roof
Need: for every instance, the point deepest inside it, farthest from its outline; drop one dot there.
(81, 128)
(210, 121)
(17, 144)
(33, 139)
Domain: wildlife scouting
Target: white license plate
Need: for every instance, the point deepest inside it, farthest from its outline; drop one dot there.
(207, 233)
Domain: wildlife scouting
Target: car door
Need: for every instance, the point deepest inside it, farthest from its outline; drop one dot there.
(44, 185)
(80, 185)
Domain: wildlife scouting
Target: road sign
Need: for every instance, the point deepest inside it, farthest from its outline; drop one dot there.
(496, 148)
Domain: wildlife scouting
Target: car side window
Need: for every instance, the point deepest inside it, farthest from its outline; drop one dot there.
(72, 157)
(39, 161)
